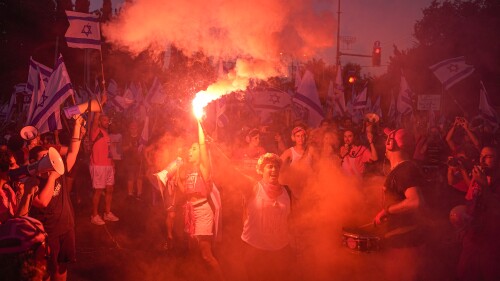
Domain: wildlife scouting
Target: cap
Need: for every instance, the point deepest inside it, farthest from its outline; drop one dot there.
(402, 137)
(253, 132)
(20, 234)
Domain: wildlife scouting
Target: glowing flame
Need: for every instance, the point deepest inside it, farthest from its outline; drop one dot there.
(199, 102)
(237, 80)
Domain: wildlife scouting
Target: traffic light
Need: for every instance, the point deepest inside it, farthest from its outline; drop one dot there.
(351, 76)
(376, 54)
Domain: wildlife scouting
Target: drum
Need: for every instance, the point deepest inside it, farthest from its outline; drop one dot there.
(361, 239)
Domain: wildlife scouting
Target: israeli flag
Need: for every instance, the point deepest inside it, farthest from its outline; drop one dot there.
(84, 31)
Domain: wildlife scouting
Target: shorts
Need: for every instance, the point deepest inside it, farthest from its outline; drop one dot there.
(133, 172)
(102, 176)
(62, 250)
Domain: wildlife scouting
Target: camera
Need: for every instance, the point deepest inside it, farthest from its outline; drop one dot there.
(460, 121)
(462, 162)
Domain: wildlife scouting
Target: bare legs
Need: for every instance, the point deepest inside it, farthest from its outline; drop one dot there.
(107, 200)
(208, 257)
(130, 186)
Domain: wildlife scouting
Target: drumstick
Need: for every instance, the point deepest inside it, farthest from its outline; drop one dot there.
(366, 225)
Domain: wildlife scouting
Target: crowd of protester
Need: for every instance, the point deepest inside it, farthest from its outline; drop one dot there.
(272, 163)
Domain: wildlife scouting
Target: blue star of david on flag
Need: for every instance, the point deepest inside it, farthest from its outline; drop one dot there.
(452, 71)
(274, 98)
(43, 98)
(87, 30)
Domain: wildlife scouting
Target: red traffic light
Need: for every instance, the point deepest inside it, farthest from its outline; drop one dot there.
(351, 76)
(376, 56)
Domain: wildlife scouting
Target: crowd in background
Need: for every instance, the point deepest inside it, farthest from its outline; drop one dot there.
(447, 154)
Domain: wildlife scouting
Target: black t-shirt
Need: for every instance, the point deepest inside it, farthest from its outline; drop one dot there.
(57, 218)
(435, 154)
(131, 155)
(402, 177)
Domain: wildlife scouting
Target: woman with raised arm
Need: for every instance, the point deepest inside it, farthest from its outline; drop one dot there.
(196, 183)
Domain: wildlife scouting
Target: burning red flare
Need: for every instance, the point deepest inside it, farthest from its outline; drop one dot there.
(199, 102)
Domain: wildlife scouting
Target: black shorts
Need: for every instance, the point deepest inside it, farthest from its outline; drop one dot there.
(132, 172)
(62, 249)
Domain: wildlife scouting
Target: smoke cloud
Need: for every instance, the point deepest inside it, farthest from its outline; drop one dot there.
(221, 28)
(258, 34)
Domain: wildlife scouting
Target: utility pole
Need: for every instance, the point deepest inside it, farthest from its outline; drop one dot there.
(376, 54)
(338, 33)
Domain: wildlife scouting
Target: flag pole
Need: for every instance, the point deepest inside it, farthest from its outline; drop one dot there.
(103, 84)
(56, 50)
(102, 71)
(102, 64)
(454, 100)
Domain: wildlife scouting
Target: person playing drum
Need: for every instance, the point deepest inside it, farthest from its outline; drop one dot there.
(403, 203)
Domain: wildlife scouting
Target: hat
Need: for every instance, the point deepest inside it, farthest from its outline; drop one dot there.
(20, 234)
(404, 140)
(298, 129)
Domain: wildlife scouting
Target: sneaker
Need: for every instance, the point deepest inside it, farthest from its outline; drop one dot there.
(166, 246)
(110, 217)
(97, 220)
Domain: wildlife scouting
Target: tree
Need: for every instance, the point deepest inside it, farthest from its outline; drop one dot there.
(450, 29)
(107, 10)
(25, 30)
(82, 6)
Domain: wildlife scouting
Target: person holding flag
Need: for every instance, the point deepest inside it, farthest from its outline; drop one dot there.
(102, 168)
(84, 32)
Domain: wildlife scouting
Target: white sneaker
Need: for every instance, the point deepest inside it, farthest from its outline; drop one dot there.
(110, 217)
(97, 220)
